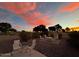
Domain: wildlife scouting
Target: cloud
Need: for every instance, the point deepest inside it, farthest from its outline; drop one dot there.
(18, 26)
(18, 7)
(74, 28)
(31, 15)
(76, 21)
(70, 7)
(36, 18)
(42, 20)
(26, 10)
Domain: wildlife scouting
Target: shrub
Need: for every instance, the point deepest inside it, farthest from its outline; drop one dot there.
(35, 35)
(51, 34)
(25, 36)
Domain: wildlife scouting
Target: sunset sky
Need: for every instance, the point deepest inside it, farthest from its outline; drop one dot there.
(26, 15)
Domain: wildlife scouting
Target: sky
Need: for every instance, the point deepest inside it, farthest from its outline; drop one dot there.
(26, 15)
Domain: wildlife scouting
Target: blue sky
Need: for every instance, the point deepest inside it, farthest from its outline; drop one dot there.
(49, 13)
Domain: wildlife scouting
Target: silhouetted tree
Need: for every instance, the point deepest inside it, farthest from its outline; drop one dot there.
(13, 30)
(59, 32)
(4, 27)
(52, 28)
(42, 29)
(39, 28)
(58, 26)
(67, 29)
(63, 30)
(44, 32)
(36, 29)
(57, 29)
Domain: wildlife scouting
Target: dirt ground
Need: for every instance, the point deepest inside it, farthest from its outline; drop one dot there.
(56, 48)
(50, 47)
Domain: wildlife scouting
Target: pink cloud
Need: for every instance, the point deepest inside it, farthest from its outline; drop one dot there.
(23, 9)
(18, 26)
(42, 20)
(18, 7)
(31, 16)
(70, 7)
(36, 18)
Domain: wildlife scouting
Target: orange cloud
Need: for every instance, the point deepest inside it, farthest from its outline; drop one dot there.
(74, 28)
(76, 20)
(70, 7)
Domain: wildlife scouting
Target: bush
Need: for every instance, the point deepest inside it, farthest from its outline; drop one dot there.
(74, 39)
(35, 35)
(51, 34)
(25, 36)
